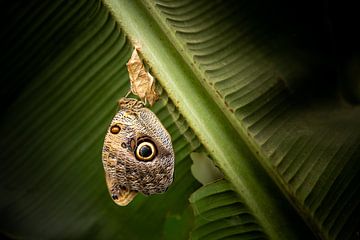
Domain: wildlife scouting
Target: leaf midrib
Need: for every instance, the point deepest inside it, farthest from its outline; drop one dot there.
(181, 82)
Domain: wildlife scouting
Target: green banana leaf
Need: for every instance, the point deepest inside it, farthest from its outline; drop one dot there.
(266, 138)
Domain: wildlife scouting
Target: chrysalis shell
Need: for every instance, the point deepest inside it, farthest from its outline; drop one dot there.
(137, 155)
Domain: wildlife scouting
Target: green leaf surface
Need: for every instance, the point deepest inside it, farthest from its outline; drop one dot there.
(52, 179)
(308, 144)
(251, 84)
(220, 213)
(206, 119)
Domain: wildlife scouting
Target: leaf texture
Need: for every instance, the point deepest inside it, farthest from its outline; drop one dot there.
(66, 71)
(220, 213)
(213, 129)
(63, 69)
(310, 145)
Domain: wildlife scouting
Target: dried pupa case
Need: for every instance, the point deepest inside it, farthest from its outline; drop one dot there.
(137, 155)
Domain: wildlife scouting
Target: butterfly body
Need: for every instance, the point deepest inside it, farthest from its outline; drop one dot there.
(137, 154)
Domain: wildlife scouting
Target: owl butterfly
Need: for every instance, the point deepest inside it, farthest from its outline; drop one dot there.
(137, 153)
